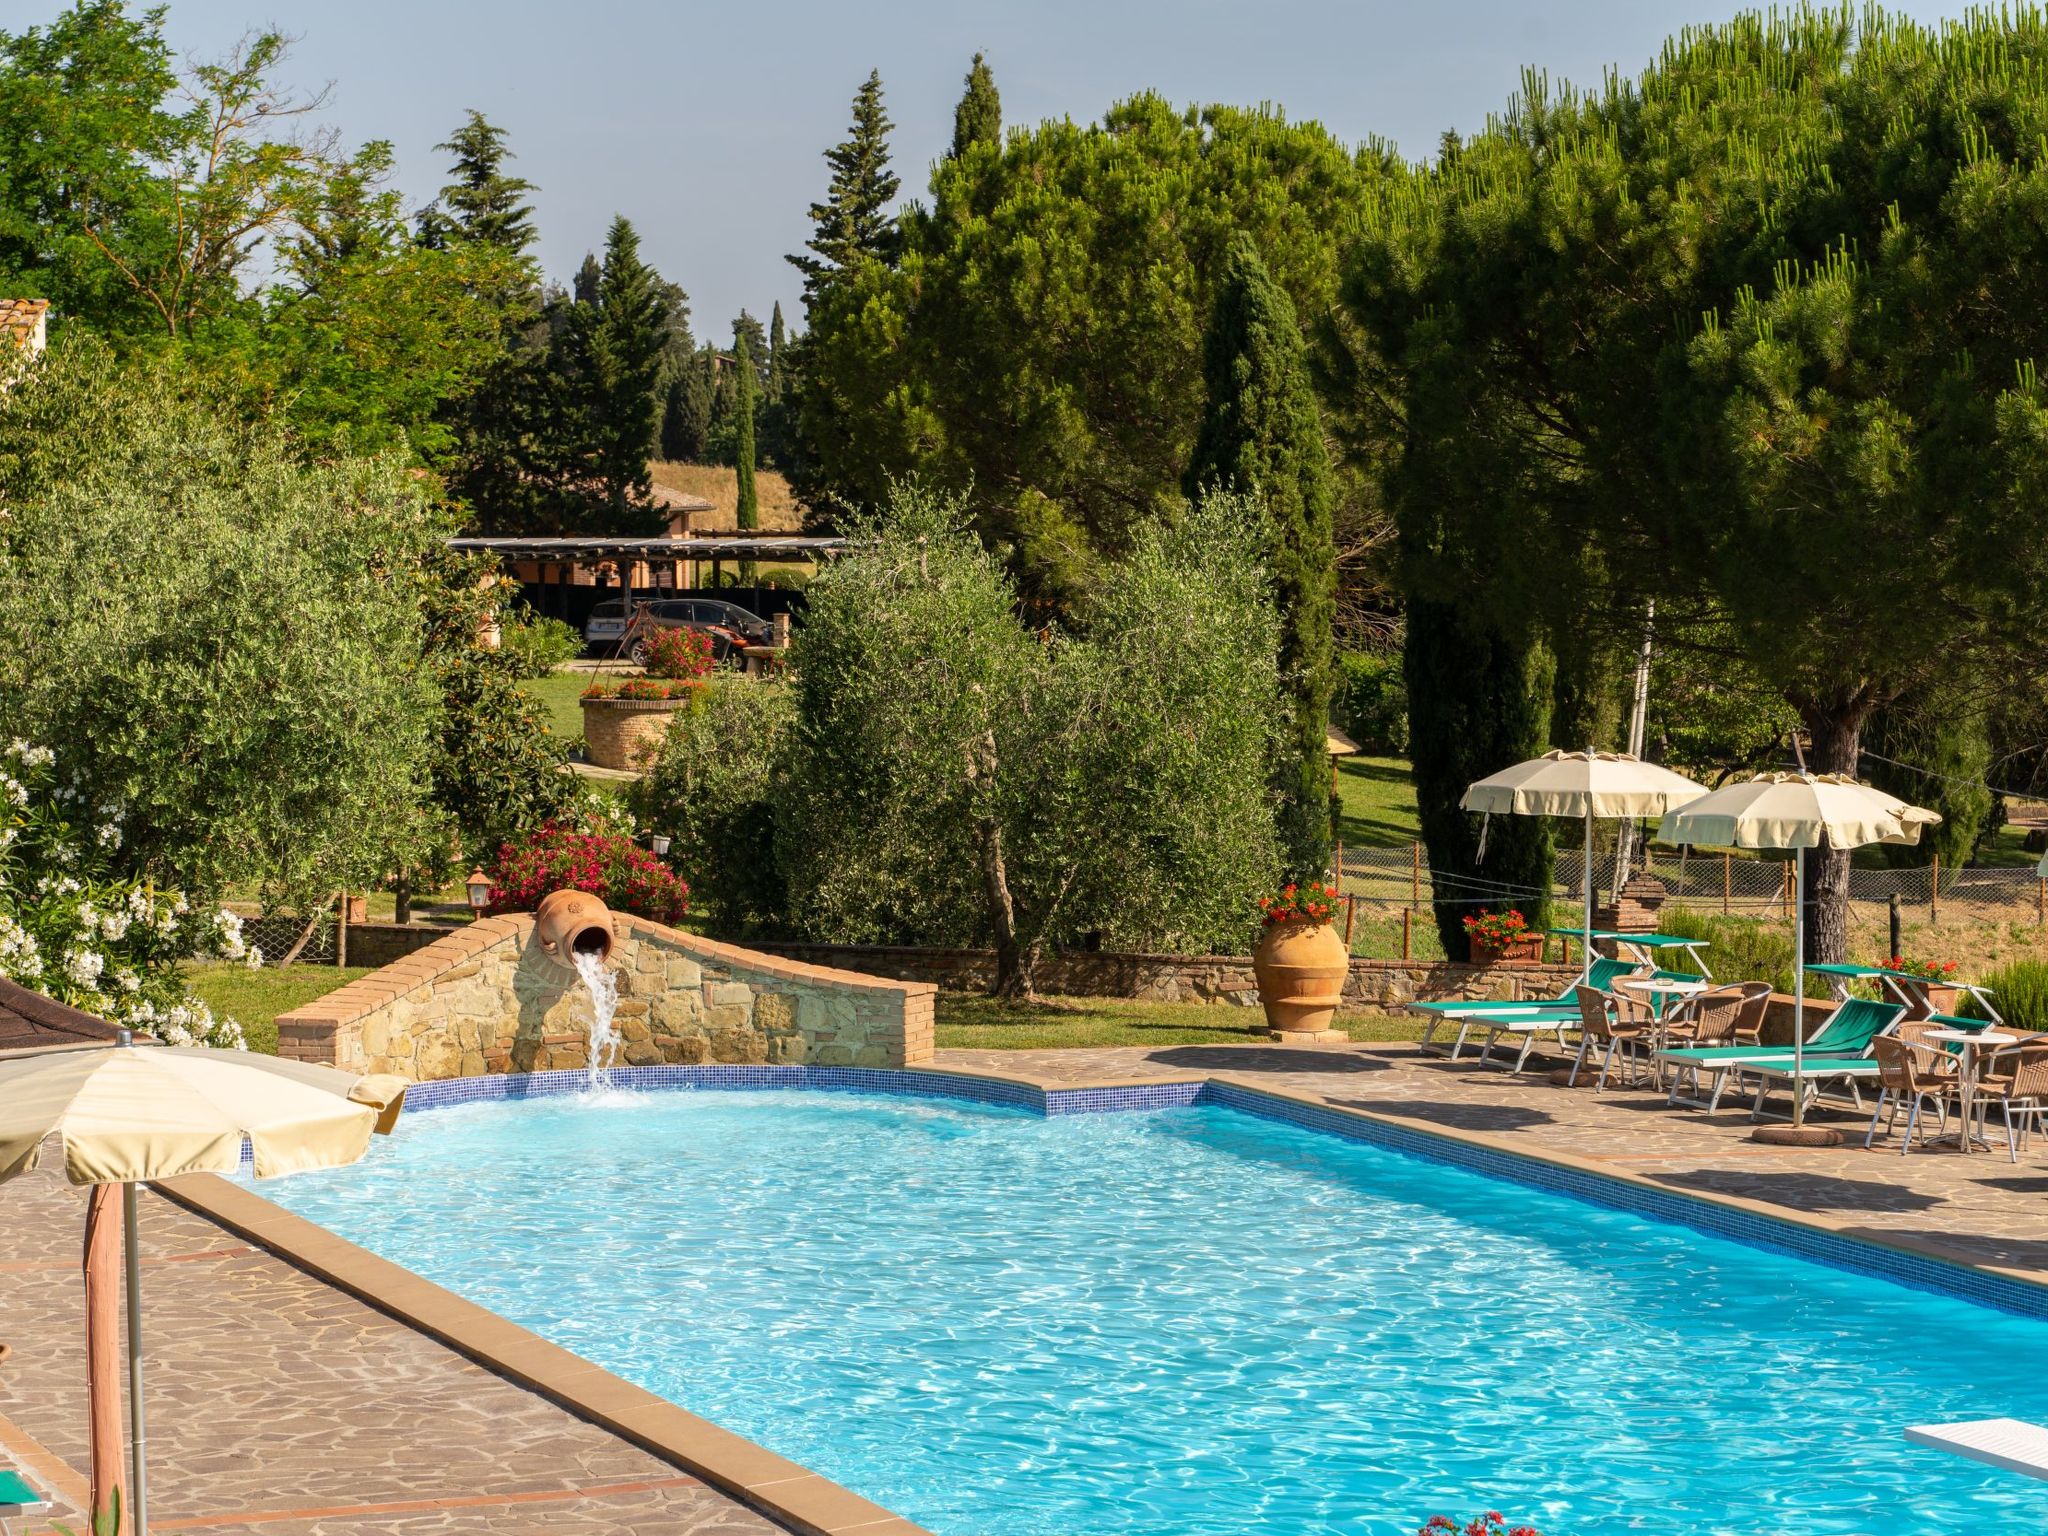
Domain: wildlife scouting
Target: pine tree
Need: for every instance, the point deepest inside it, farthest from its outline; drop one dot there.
(494, 424)
(743, 437)
(482, 203)
(854, 222)
(611, 372)
(978, 119)
(1261, 438)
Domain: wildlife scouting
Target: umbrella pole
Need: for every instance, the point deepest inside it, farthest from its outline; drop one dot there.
(137, 1523)
(1798, 986)
(103, 1349)
(1586, 895)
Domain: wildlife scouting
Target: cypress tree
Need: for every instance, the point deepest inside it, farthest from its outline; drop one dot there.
(1478, 700)
(589, 276)
(853, 223)
(743, 441)
(1261, 437)
(978, 119)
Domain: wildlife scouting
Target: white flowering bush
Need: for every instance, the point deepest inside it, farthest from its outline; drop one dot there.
(74, 927)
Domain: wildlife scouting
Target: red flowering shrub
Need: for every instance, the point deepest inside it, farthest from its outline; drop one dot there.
(616, 870)
(1309, 902)
(1926, 970)
(642, 688)
(676, 652)
(1492, 1523)
(1498, 930)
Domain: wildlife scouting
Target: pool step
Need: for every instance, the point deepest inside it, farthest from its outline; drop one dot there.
(2013, 1444)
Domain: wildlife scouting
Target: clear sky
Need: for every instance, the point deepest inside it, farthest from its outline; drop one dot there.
(704, 122)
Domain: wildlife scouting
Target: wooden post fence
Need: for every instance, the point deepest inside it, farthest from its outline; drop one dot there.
(1407, 931)
(1415, 877)
(1934, 892)
(1727, 880)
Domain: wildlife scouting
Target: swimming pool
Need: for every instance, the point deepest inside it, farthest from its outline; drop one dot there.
(1188, 1321)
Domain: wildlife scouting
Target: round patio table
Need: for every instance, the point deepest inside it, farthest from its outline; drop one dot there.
(1667, 994)
(1965, 1140)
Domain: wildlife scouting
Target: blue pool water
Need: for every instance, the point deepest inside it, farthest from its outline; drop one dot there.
(1190, 1322)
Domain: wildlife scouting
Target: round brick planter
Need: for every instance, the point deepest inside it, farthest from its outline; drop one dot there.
(626, 733)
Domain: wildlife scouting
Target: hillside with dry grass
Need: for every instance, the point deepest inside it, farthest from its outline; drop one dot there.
(780, 511)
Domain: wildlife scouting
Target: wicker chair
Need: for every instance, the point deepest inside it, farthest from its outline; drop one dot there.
(2016, 1081)
(1711, 1020)
(1932, 1058)
(1904, 1080)
(1756, 1004)
(1604, 1030)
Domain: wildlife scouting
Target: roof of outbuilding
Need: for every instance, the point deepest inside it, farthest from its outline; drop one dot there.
(18, 318)
(29, 1019)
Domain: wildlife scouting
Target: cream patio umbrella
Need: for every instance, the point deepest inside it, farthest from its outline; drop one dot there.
(1587, 785)
(1796, 811)
(128, 1115)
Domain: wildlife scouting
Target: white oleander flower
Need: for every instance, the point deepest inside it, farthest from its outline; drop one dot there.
(255, 958)
(84, 966)
(115, 926)
(127, 980)
(110, 835)
(13, 791)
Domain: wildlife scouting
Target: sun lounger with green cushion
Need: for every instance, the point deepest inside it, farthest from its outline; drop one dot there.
(1844, 1036)
(16, 1497)
(1603, 975)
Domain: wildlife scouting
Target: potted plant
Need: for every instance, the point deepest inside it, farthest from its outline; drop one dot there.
(1937, 992)
(1301, 962)
(1503, 936)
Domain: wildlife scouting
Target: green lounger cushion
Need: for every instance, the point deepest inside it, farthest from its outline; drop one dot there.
(1602, 976)
(16, 1494)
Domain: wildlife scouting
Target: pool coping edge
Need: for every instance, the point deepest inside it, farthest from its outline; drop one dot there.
(786, 1491)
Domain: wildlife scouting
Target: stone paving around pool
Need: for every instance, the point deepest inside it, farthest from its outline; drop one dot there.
(280, 1406)
(1982, 1208)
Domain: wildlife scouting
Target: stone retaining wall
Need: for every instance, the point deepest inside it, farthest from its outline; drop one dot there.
(1185, 978)
(484, 999)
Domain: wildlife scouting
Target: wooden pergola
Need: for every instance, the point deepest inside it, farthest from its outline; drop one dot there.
(639, 563)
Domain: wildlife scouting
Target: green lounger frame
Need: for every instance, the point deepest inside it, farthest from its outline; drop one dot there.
(1844, 1036)
(1603, 975)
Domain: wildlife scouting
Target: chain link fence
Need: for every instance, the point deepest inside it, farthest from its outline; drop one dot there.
(276, 932)
(1396, 893)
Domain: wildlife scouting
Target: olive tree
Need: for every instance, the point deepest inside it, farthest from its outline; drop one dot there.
(955, 777)
(224, 635)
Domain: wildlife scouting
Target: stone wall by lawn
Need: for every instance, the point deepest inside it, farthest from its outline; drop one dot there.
(1186, 978)
(484, 999)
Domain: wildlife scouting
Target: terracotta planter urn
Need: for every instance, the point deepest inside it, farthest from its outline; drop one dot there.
(571, 923)
(1301, 969)
(1527, 951)
(1933, 998)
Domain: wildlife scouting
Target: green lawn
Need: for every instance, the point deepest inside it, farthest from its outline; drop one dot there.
(971, 1022)
(1377, 797)
(557, 695)
(258, 997)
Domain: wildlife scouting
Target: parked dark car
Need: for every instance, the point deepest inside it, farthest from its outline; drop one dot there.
(729, 625)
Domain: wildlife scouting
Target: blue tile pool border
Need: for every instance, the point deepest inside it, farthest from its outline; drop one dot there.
(1702, 1213)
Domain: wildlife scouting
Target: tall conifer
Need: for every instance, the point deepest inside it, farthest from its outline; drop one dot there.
(743, 440)
(978, 119)
(494, 423)
(1261, 437)
(854, 222)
